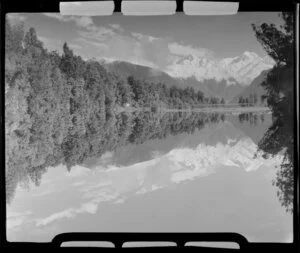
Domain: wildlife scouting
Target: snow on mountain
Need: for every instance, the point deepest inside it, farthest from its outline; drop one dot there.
(180, 164)
(205, 159)
(224, 78)
(247, 67)
(241, 69)
(193, 66)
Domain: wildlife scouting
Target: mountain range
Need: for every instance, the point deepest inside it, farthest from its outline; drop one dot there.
(254, 88)
(224, 78)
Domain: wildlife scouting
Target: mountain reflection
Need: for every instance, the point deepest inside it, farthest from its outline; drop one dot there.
(199, 153)
(109, 179)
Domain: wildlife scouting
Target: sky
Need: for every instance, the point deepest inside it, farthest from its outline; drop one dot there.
(149, 41)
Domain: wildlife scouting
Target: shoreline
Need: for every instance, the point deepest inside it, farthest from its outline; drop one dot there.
(206, 110)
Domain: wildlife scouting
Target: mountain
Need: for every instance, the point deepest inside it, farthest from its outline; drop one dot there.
(208, 87)
(254, 88)
(125, 69)
(221, 89)
(237, 70)
(247, 67)
(224, 78)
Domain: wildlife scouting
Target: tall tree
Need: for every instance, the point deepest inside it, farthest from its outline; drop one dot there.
(72, 65)
(278, 41)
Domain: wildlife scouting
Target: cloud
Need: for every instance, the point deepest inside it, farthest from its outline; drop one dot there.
(117, 183)
(43, 193)
(89, 208)
(185, 50)
(13, 223)
(78, 183)
(68, 213)
(110, 42)
(17, 214)
(16, 219)
(140, 36)
(77, 171)
(52, 44)
(83, 21)
(96, 186)
(117, 27)
(96, 33)
(93, 43)
(80, 21)
(120, 201)
(15, 18)
(74, 46)
(141, 191)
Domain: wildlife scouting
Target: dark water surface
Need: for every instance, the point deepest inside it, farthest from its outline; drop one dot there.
(175, 172)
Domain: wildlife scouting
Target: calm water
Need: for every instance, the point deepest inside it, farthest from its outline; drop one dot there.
(199, 179)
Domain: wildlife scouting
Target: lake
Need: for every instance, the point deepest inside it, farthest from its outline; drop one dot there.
(158, 172)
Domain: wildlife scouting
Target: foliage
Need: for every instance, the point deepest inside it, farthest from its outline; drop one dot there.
(278, 41)
(60, 109)
(279, 44)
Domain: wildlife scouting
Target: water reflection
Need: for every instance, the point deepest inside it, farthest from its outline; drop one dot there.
(116, 131)
(166, 163)
(279, 138)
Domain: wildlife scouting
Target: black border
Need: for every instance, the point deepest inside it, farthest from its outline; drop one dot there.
(7, 6)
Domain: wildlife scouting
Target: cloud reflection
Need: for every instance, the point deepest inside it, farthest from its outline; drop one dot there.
(116, 184)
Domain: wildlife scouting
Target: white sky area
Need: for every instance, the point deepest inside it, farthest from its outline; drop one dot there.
(150, 41)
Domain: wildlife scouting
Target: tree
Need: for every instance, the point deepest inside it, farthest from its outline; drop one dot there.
(278, 41)
(59, 109)
(240, 100)
(200, 96)
(251, 100)
(14, 35)
(73, 66)
(255, 98)
(279, 44)
(222, 101)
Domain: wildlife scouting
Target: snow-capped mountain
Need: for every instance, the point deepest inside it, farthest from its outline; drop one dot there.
(254, 88)
(224, 78)
(209, 87)
(237, 70)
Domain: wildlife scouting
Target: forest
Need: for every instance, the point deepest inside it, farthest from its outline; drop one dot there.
(60, 109)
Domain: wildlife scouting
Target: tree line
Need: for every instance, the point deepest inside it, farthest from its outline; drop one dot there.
(60, 109)
(251, 100)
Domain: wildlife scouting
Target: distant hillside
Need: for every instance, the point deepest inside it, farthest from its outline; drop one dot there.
(221, 89)
(208, 87)
(254, 88)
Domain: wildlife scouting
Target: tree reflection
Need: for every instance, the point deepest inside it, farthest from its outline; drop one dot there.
(279, 84)
(116, 131)
(250, 118)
